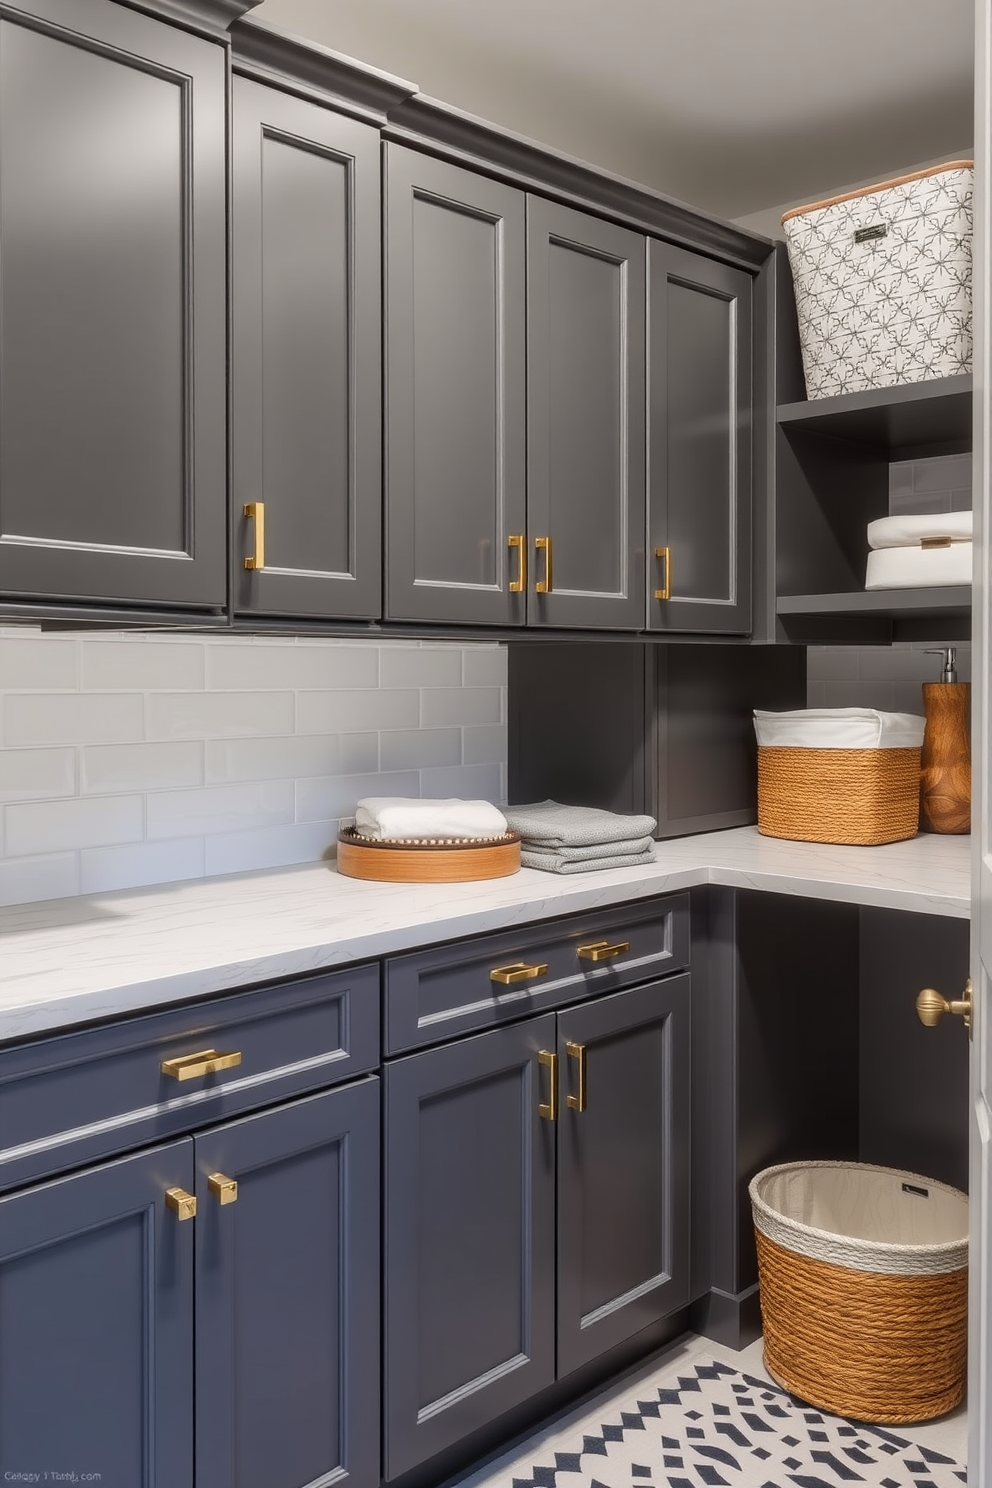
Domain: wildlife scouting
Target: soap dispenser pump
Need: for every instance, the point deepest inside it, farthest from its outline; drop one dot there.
(945, 780)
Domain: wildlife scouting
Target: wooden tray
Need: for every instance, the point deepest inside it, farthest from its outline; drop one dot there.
(429, 861)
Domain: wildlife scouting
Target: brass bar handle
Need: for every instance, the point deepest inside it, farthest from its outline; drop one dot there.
(931, 1007)
(519, 584)
(543, 545)
(577, 1052)
(548, 1109)
(520, 971)
(602, 950)
(256, 560)
(224, 1189)
(182, 1204)
(665, 592)
(195, 1066)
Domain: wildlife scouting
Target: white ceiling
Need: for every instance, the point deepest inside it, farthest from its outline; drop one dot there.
(733, 105)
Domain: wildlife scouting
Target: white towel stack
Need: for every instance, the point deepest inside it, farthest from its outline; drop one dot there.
(401, 819)
(913, 552)
(580, 839)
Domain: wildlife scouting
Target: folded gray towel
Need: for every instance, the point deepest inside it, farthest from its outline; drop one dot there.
(548, 824)
(589, 854)
(554, 863)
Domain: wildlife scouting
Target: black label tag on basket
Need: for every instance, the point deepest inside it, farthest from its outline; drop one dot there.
(924, 1193)
(865, 234)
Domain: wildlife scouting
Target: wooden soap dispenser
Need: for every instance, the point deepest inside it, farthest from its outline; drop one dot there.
(945, 782)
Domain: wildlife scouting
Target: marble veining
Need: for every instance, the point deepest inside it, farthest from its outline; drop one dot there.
(73, 960)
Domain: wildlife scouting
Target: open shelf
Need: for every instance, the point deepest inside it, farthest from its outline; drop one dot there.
(903, 421)
(878, 616)
(952, 600)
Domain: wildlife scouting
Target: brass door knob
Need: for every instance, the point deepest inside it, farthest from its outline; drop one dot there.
(224, 1189)
(182, 1204)
(931, 1007)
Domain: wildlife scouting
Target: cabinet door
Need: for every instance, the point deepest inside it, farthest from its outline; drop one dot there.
(307, 356)
(699, 461)
(287, 1296)
(96, 1342)
(112, 307)
(623, 1167)
(586, 410)
(455, 402)
(469, 1237)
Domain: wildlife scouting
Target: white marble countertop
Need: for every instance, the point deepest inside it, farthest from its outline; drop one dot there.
(68, 961)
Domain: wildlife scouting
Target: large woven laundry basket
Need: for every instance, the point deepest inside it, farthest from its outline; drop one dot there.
(841, 775)
(864, 1288)
(883, 281)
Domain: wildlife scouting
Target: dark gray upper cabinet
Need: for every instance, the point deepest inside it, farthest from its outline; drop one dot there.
(307, 357)
(96, 1348)
(585, 431)
(455, 401)
(112, 307)
(469, 1263)
(287, 1296)
(699, 436)
(623, 1167)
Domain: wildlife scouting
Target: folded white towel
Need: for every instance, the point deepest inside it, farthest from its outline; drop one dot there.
(910, 530)
(920, 568)
(403, 818)
(838, 728)
(549, 824)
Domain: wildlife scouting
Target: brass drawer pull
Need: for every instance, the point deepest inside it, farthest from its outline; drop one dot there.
(578, 1053)
(518, 972)
(194, 1066)
(602, 950)
(665, 592)
(256, 560)
(519, 584)
(224, 1189)
(548, 1109)
(543, 545)
(182, 1204)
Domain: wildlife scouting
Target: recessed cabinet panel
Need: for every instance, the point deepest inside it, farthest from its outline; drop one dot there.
(307, 358)
(455, 392)
(112, 306)
(586, 419)
(96, 1347)
(699, 462)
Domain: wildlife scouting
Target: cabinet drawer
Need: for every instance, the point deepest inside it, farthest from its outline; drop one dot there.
(437, 994)
(69, 1099)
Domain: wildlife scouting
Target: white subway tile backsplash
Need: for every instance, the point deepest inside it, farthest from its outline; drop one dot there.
(136, 759)
(35, 827)
(106, 868)
(36, 774)
(72, 718)
(118, 767)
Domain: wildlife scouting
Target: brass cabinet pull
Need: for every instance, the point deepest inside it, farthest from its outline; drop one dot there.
(518, 972)
(182, 1204)
(224, 1189)
(665, 592)
(194, 1066)
(549, 1109)
(256, 560)
(519, 584)
(543, 545)
(577, 1052)
(931, 1007)
(602, 950)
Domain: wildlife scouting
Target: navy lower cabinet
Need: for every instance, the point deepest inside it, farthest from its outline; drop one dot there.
(623, 1167)
(287, 1295)
(96, 1326)
(470, 1235)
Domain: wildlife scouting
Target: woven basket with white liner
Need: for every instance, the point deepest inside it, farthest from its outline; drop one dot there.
(883, 281)
(863, 1275)
(839, 775)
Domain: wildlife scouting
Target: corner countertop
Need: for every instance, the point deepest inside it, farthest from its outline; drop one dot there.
(69, 961)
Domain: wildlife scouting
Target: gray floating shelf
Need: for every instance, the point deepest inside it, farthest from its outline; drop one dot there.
(896, 419)
(898, 603)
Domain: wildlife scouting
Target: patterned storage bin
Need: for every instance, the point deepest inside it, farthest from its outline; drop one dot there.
(883, 282)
